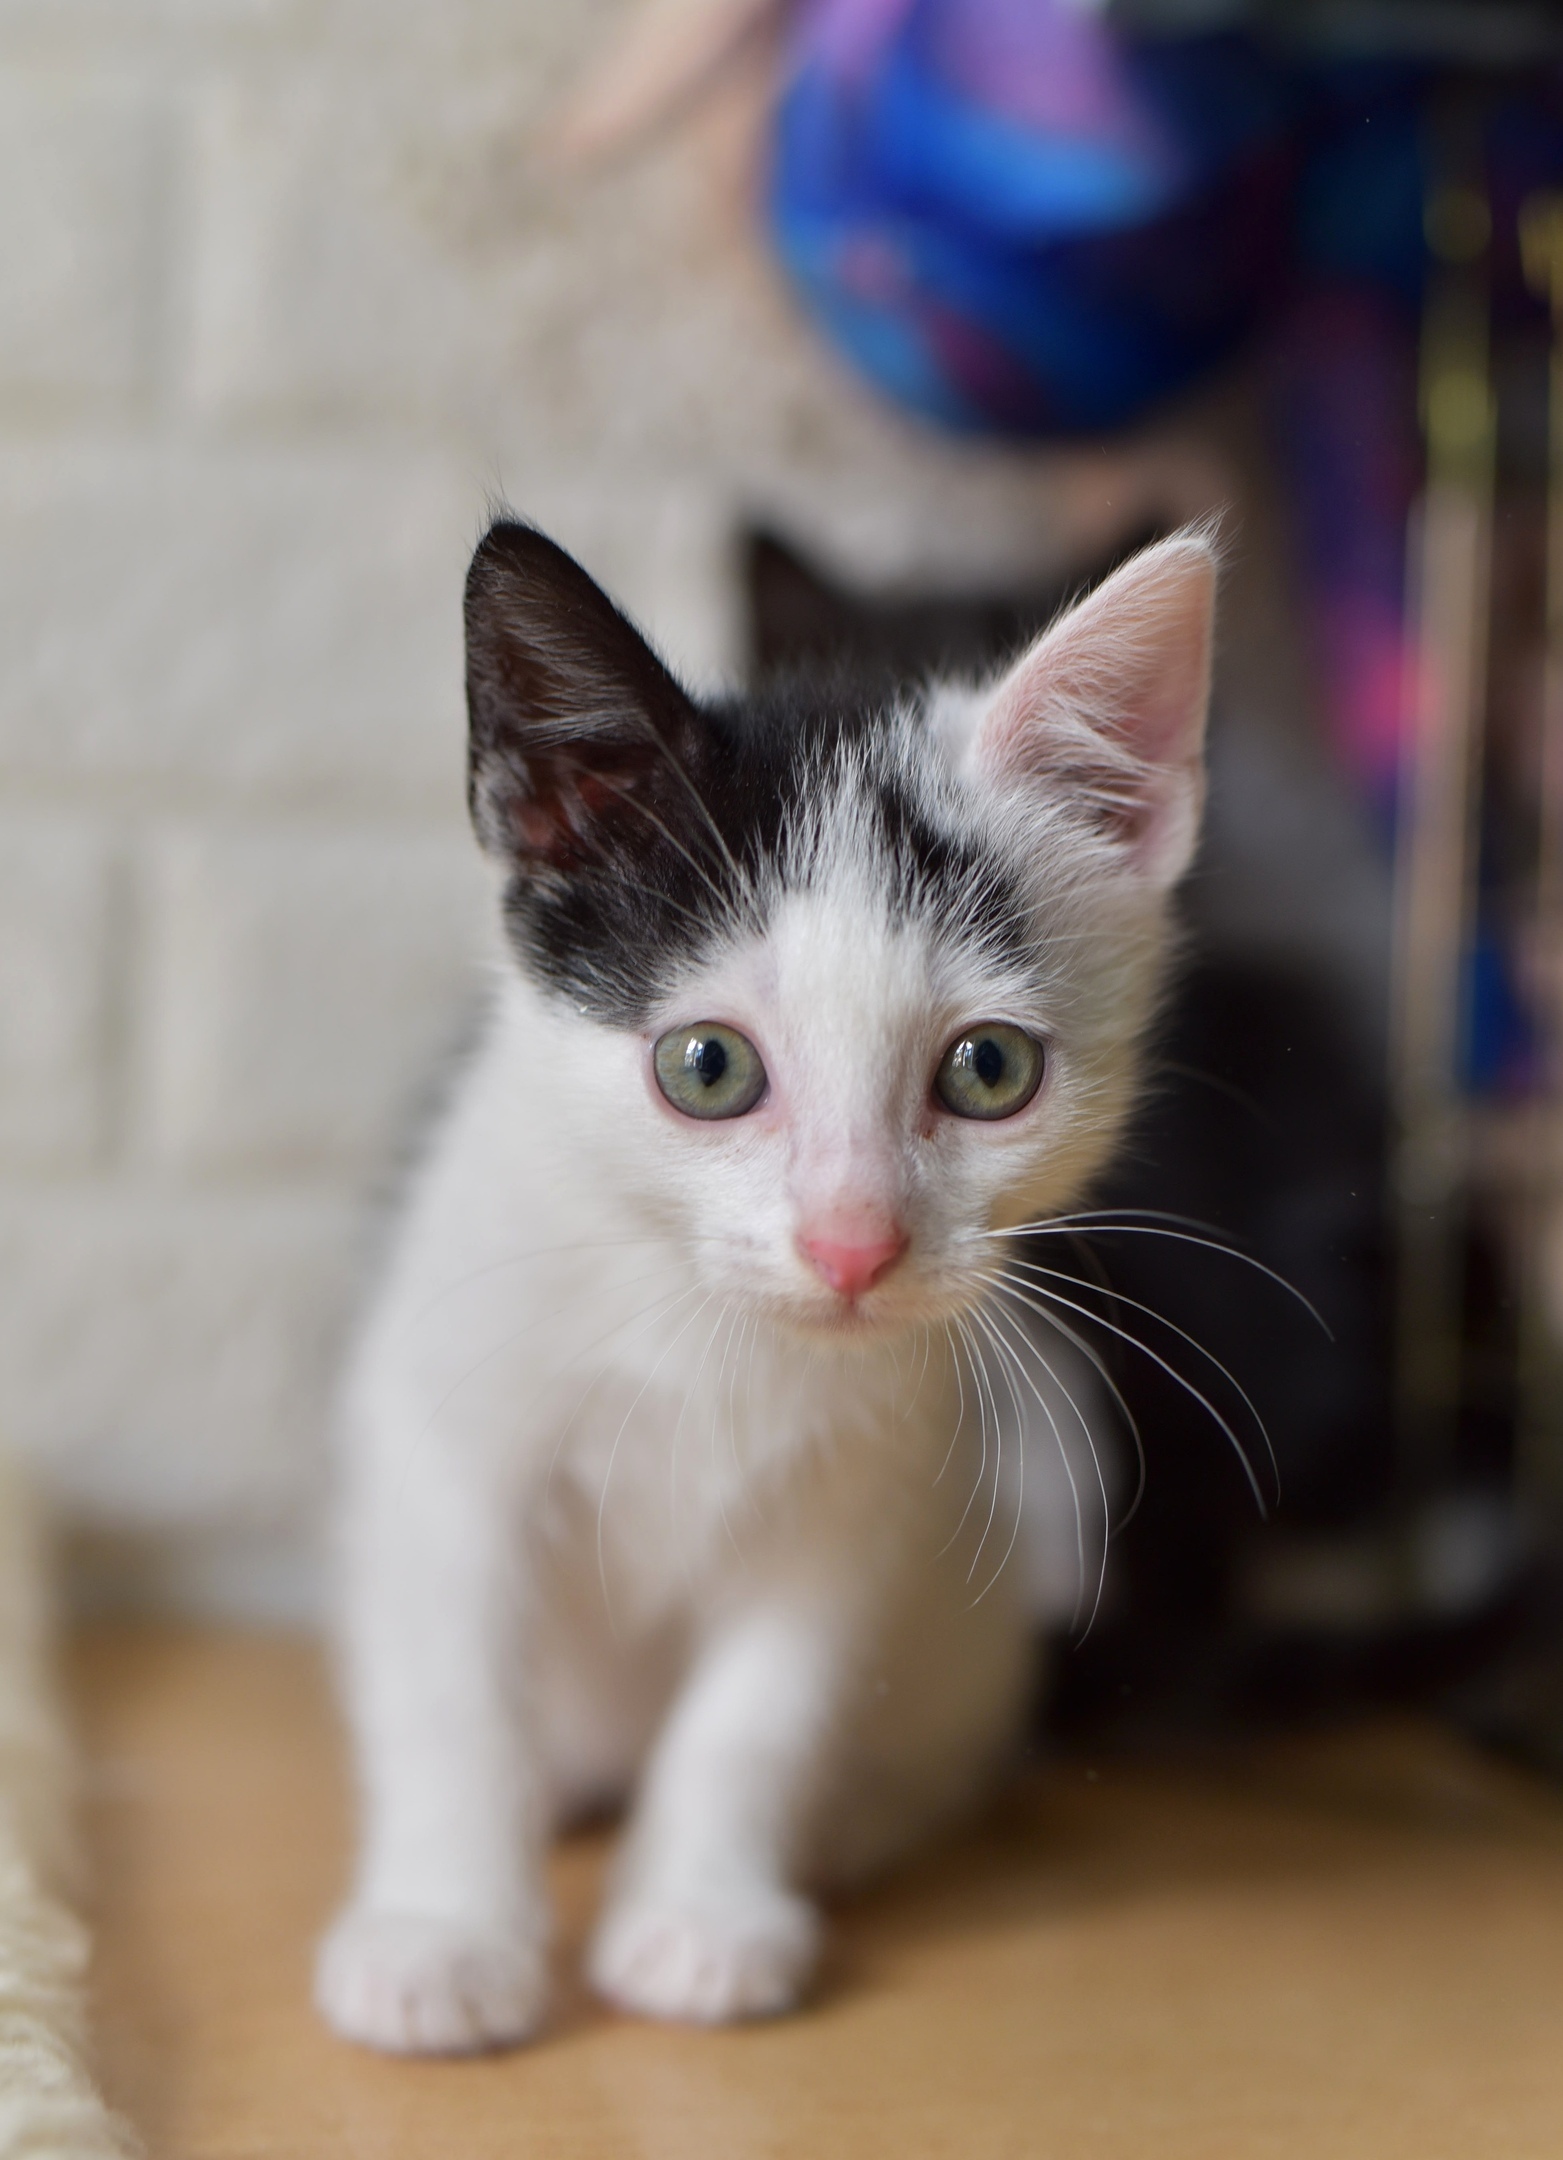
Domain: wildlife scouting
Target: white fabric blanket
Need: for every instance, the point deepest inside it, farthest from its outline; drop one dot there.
(49, 2108)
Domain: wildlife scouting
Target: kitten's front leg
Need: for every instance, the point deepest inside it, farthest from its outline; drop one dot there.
(442, 1946)
(704, 1921)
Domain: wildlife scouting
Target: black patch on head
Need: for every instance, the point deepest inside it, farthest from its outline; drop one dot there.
(641, 825)
(951, 874)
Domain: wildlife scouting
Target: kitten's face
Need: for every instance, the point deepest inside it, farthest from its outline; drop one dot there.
(857, 1189)
(847, 992)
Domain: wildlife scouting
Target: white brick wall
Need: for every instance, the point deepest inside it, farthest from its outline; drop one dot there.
(301, 987)
(173, 1348)
(56, 955)
(285, 297)
(234, 623)
(81, 179)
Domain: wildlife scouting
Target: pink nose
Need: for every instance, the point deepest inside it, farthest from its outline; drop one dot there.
(852, 1269)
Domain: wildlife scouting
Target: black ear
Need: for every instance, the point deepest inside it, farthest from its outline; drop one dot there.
(576, 729)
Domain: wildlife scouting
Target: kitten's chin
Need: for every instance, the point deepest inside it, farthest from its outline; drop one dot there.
(837, 1319)
(845, 1323)
(882, 1313)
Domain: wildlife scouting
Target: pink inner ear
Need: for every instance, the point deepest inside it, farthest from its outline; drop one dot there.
(1109, 705)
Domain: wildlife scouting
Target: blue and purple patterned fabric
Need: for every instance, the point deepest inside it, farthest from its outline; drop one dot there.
(1010, 221)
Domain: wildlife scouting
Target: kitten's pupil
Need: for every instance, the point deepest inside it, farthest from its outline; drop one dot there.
(988, 1062)
(708, 1058)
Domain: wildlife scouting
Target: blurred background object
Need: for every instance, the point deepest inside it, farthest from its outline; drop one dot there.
(287, 295)
(846, 332)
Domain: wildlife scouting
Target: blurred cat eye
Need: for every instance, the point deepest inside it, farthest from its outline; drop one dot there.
(991, 1071)
(708, 1070)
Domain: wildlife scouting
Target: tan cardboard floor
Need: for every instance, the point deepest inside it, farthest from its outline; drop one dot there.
(1345, 1947)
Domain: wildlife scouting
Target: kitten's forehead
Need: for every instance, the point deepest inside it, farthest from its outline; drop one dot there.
(829, 835)
(830, 962)
(841, 974)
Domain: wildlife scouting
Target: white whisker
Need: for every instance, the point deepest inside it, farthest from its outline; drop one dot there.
(1089, 1351)
(960, 1406)
(1023, 1336)
(1074, 1494)
(1018, 1287)
(926, 1332)
(981, 1320)
(1096, 1226)
(1034, 1268)
(978, 1381)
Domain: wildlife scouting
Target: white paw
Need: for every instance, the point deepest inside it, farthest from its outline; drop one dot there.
(707, 1959)
(416, 1985)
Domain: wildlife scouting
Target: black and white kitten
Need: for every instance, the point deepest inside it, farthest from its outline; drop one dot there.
(690, 1457)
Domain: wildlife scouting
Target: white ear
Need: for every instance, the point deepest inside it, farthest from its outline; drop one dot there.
(1108, 707)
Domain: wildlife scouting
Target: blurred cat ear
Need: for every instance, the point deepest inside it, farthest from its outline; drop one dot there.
(1108, 707)
(574, 725)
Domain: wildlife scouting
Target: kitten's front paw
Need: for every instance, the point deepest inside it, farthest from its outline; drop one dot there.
(416, 1985)
(708, 1960)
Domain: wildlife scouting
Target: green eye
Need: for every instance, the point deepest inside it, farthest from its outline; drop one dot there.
(989, 1072)
(709, 1071)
